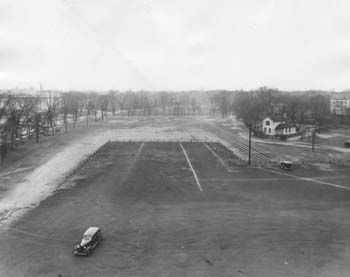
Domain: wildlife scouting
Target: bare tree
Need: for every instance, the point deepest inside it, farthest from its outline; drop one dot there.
(194, 105)
(66, 108)
(112, 94)
(13, 118)
(129, 101)
(223, 102)
(320, 108)
(144, 102)
(37, 125)
(52, 105)
(120, 97)
(103, 103)
(27, 105)
(4, 103)
(164, 100)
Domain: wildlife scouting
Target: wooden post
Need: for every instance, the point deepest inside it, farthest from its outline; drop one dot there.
(250, 143)
(313, 140)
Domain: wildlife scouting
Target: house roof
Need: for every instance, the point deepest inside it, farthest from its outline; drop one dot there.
(284, 125)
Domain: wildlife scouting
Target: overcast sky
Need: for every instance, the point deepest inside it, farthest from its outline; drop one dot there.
(175, 44)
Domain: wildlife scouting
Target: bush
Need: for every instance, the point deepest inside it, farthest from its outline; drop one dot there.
(283, 137)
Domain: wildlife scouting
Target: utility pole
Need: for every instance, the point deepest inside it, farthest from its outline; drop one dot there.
(3, 146)
(313, 140)
(37, 120)
(250, 143)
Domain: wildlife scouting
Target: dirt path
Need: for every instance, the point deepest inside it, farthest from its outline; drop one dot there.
(45, 179)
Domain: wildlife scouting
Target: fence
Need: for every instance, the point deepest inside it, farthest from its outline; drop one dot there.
(83, 162)
(275, 164)
(23, 134)
(243, 161)
(167, 140)
(342, 163)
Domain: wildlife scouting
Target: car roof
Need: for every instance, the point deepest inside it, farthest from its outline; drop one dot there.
(91, 231)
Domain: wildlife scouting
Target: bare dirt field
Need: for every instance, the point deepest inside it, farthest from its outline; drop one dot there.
(158, 220)
(34, 170)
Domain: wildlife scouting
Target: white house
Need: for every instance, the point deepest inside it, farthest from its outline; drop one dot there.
(277, 126)
(270, 123)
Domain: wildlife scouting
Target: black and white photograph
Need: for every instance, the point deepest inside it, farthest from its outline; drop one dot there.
(174, 138)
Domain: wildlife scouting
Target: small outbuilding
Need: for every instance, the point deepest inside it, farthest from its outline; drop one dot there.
(285, 129)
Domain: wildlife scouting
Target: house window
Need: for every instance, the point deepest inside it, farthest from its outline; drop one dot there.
(267, 122)
(270, 130)
(264, 129)
(289, 130)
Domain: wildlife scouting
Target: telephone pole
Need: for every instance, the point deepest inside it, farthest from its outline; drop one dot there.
(313, 140)
(250, 143)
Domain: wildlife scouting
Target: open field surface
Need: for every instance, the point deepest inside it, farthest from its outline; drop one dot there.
(333, 138)
(33, 171)
(171, 209)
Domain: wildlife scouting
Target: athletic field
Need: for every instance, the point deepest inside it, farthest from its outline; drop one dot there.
(185, 209)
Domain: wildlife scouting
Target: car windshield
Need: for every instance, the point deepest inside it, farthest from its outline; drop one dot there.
(86, 237)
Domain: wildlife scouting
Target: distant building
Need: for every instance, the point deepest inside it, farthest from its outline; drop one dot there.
(340, 103)
(270, 123)
(41, 104)
(277, 126)
(286, 129)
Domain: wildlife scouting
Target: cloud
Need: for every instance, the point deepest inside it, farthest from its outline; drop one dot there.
(163, 44)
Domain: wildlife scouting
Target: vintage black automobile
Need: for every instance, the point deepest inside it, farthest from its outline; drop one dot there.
(286, 165)
(91, 238)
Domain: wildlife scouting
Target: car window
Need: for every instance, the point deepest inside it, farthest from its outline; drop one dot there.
(87, 237)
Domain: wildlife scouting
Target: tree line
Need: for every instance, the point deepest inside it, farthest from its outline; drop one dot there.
(306, 107)
(26, 116)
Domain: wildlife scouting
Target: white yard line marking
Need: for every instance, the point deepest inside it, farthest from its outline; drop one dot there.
(218, 157)
(194, 172)
(307, 179)
(137, 155)
(15, 171)
(139, 151)
(132, 164)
